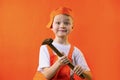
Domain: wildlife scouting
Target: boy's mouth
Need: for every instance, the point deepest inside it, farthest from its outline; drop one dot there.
(62, 30)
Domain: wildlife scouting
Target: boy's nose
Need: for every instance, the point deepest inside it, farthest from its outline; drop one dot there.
(62, 25)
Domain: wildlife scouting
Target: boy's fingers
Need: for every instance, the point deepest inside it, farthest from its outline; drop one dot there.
(64, 60)
(78, 70)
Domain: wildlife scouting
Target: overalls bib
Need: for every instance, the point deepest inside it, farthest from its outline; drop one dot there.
(63, 73)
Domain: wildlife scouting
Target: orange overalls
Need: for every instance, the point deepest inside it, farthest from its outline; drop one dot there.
(63, 73)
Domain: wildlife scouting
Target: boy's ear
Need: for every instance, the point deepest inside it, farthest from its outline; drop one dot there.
(51, 29)
(72, 27)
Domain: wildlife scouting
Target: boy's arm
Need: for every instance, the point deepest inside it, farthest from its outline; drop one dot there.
(51, 71)
(79, 70)
(88, 75)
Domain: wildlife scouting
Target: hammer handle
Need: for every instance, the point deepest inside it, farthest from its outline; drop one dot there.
(60, 55)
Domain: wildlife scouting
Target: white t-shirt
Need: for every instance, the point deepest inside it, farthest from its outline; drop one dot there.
(77, 57)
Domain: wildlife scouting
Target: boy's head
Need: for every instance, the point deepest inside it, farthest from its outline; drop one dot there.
(61, 10)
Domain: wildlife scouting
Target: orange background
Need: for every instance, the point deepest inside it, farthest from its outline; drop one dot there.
(22, 30)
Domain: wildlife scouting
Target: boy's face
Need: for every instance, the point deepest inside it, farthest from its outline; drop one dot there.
(62, 25)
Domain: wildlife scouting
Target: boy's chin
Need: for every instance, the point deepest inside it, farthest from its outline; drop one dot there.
(62, 35)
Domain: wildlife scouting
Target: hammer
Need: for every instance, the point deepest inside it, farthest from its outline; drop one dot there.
(49, 43)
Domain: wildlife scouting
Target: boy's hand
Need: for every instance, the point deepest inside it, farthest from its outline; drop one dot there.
(63, 60)
(78, 70)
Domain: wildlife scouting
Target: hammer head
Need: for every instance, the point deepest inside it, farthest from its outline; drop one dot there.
(47, 41)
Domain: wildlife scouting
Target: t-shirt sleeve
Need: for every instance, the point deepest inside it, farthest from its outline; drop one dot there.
(44, 59)
(80, 59)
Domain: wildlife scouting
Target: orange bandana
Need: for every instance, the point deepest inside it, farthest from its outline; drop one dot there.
(61, 10)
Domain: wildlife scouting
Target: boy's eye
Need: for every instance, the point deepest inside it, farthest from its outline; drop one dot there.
(58, 23)
(66, 23)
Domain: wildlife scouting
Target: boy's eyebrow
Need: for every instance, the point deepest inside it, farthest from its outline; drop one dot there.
(64, 19)
(67, 19)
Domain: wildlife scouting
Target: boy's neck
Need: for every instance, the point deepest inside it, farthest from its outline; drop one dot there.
(61, 40)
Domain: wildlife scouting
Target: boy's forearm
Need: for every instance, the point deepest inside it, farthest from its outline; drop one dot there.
(51, 71)
(88, 75)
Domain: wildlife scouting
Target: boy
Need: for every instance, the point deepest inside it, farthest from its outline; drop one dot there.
(53, 67)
